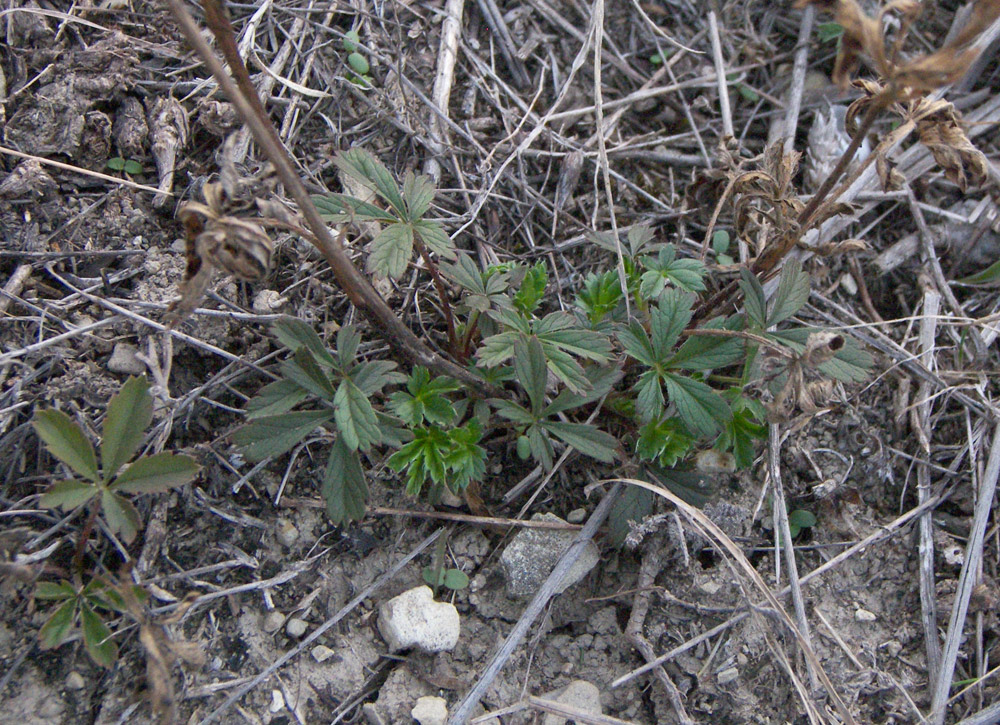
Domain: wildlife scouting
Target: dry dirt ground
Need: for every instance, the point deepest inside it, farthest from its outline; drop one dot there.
(89, 264)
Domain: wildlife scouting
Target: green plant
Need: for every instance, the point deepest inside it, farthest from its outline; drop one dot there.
(129, 166)
(358, 62)
(75, 604)
(829, 32)
(129, 413)
(800, 519)
(720, 246)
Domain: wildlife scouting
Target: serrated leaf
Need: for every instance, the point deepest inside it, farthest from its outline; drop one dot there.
(121, 515)
(67, 494)
(754, 299)
(636, 343)
(850, 364)
(512, 411)
(129, 413)
(391, 251)
(97, 638)
(435, 238)
(304, 371)
(342, 207)
(600, 295)
(529, 294)
(663, 440)
(649, 399)
(294, 333)
(694, 488)
(418, 191)
(274, 398)
(530, 370)
(374, 375)
(701, 408)
(344, 487)
(684, 274)
(638, 237)
(57, 627)
(564, 367)
(364, 167)
(423, 458)
(497, 349)
(355, 417)
(585, 438)
(157, 473)
(633, 504)
(671, 315)
(705, 352)
(466, 459)
(273, 435)
(348, 341)
(565, 331)
(541, 447)
(54, 590)
(792, 293)
(64, 440)
(424, 399)
(601, 378)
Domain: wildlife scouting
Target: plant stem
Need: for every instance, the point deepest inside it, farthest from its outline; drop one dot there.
(449, 320)
(358, 288)
(81, 542)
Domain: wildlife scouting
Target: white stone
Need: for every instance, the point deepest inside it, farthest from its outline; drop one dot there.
(296, 627)
(287, 533)
(430, 711)
(268, 301)
(863, 615)
(414, 619)
(577, 516)
(273, 621)
(277, 702)
(532, 554)
(124, 360)
(580, 694)
(321, 653)
(75, 681)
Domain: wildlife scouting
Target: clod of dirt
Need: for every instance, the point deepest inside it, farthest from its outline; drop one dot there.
(125, 361)
(414, 619)
(396, 697)
(52, 120)
(130, 131)
(273, 621)
(296, 627)
(29, 179)
(532, 554)
(430, 710)
(580, 694)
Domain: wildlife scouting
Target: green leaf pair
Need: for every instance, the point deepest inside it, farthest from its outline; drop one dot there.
(129, 414)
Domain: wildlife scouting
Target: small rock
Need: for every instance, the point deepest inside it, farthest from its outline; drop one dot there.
(582, 695)
(287, 533)
(577, 516)
(277, 702)
(371, 714)
(322, 653)
(450, 499)
(268, 301)
(273, 621)
(430, 711)
(124, 360)
(75, 681)
(296, 627)
(532, 554)
(863, 615)
(727, 675)
(414, 619)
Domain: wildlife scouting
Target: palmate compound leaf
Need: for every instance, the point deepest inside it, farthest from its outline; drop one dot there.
(706, 352)
(530, 370)
(64, 440)
(466, 459)
(423, 458)
(303, 370)
(684, 274)
(424, 398)
(129, 413)
(434, 237)
(418, 192)
(344, 488)
(273, 435)
(343, 208)
(157, 474)
(701, 409)
(391, 251)
(754, 299)
(293, 333)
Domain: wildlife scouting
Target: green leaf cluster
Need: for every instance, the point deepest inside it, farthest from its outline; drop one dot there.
(128, 415)
(339, 389)
(82, 606)
(402, 220)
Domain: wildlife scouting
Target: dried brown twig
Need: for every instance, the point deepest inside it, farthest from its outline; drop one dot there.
(355, 285)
